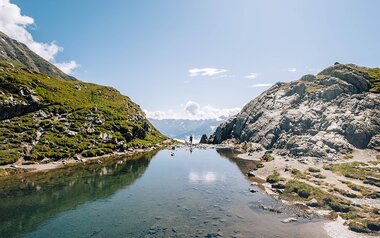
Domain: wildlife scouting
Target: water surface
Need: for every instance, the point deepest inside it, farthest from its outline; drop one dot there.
(198, 194)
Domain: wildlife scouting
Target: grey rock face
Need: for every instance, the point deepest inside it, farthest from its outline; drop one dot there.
(13, 50)
(204, 139)
(16, 101)
(318, 116)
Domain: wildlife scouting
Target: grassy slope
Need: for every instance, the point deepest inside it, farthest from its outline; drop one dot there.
(374, 73)
(76, 115)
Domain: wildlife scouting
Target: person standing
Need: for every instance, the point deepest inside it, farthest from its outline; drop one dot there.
(191, 139)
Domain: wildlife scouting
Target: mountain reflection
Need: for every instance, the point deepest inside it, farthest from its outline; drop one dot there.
(243, 164)
(28, 200)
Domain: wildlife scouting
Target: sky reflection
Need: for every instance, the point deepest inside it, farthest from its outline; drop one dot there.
(206, 177)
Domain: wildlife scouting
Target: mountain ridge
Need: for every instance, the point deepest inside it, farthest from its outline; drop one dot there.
(18, 53)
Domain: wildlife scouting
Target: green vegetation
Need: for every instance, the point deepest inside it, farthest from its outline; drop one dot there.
(345, 193)
(365, 192)
(374, 73)
(361, 219)
(312, 88)
(376, 161)
(299, 175)
(318, 175)
(259, 165)
(266, 157)
(274, 177)
(300, 190)
(11, 171)
(357, 170)
(360, 223)
(314, 170)
(348, 156)
(276, 180)
(56, 118)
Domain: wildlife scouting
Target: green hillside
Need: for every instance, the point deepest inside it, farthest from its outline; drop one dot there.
(44, 117)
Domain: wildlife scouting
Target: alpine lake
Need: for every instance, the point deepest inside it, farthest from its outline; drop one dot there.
(191, 193)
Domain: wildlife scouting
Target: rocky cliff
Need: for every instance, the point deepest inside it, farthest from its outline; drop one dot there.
(318, 115)
(44, 118)
(18, 53)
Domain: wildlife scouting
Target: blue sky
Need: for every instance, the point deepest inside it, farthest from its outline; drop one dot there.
(146, 48)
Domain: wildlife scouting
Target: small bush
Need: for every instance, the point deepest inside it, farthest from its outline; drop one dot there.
(259, 165)
(298, 174)
(267, 157)
(314, 170)
(274, 177)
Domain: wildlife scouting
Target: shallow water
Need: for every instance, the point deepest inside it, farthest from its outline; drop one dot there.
(187, 195)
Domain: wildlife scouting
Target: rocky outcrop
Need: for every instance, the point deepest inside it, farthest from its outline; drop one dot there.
(319, 116)
(12, 50)
(204, 139)
(17, 101)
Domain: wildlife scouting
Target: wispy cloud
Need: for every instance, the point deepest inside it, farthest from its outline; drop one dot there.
(224, 76)
(252, 76)
(14, 24)
(292, 70)
(193, 110)
(258, 85)
(205, 72)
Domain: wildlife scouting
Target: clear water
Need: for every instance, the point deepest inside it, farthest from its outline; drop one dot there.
(198, 194)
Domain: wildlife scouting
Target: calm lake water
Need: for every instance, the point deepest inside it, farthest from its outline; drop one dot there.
(198, 194)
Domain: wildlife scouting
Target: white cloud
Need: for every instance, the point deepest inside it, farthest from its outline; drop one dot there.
(14, 24)
(194, 111)
(292, 70)
(192, 108)
(205, 72)
(67, 67)
(261, 85)
(252, 76)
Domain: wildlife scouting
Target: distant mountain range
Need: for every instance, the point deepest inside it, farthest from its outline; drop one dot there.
(183, 128)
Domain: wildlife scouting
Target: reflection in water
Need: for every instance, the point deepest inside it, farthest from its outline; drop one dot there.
(28, 200)
(186, 195)
(243, 164)
(205, 177)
